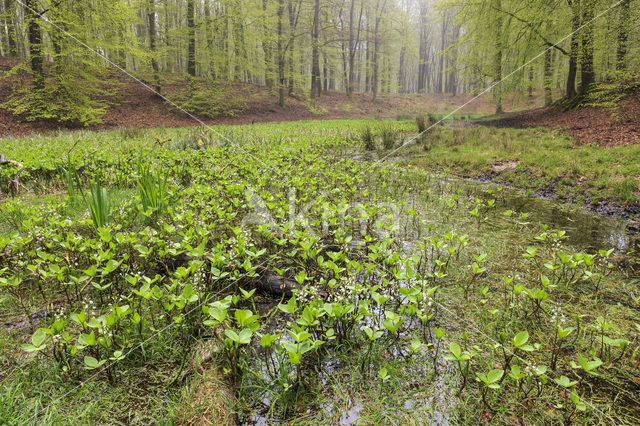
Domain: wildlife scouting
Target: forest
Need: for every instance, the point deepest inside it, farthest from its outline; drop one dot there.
(292, 47)
(319, 212)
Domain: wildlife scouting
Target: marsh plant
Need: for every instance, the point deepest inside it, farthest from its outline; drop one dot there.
(424, 122)
(389, 136)
(368, 139)
(98, 203)
(152, 189)
(389, 285)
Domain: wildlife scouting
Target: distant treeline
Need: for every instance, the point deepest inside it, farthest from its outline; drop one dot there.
(315, 46)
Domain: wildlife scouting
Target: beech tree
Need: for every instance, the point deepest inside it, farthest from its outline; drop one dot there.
(309, 47)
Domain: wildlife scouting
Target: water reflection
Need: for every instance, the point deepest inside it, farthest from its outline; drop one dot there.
(588, 231)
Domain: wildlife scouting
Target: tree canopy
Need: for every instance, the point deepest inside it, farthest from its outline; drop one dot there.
(70, 49)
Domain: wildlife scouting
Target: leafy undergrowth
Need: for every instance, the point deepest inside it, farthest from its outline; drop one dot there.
(537, 159)
(419, 298)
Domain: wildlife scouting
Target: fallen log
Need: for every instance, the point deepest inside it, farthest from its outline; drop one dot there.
(265, 281)
(4, 160)
(15, 181)
(270, 282)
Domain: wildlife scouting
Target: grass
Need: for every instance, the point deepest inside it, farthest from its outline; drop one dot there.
(536, 159)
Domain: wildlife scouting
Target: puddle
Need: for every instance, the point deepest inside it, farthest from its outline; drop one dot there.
(587, 231)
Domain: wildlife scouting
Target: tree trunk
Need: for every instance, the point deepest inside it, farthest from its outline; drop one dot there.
(240, 50)
(587, 75)
(229, 42)
(325, 74)
(573, 53)
(57, 39)
(292, 40)
(354, 40)
(9, 11)
(401, 71)
(623, 35)
(548, 78)
(345, 69)
(151, 18)
(267, 48)
(351, 49)
(315, 56)
(168, 63)
(497, 89)
(376, 49)
(443, 33)
(34, 34)
(281, 53)
(191, 35)
(423, 50)
(454, 62)
(367, 56)
(332, 79)
(210, 42)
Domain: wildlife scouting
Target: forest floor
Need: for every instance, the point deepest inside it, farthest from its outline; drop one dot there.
(136, 106)
(592, 125)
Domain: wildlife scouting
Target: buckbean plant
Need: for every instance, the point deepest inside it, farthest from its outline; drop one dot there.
(404, 292)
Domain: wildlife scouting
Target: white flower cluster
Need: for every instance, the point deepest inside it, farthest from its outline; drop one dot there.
(557, 316)
(348, 290)
(307, 294)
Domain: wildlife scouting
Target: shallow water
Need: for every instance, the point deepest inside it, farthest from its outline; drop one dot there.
(587, 230)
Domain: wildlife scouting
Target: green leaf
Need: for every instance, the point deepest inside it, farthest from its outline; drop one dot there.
(244, 336)
(383, 374)
(247, 294)
(232, 335)
(294, 357)
(87, 339)
(28, 347)
(520, 339)
(564, 381)
(79, 318)
(267, 339)
(38, 338)
(91, 363)
(455, 349)
(575, 398)
(494, 375)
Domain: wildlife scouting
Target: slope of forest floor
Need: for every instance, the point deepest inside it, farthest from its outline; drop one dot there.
(135, 106)
(593, 125)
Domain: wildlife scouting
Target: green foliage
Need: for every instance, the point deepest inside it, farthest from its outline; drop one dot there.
(98, 204)
(370, 315)
(75, 98)
(611, 94)
(424, 122)
(388, 137)
(210, 99)
(521, 157)
(152, 189)
(368, 139)
(71, 179)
